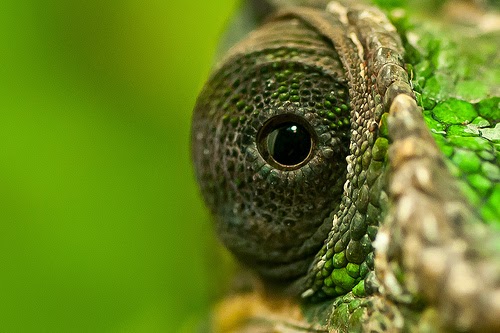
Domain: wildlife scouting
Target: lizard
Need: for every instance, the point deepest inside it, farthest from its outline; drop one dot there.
(346, 186)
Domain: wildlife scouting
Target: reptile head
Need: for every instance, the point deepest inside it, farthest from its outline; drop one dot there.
(270, 138)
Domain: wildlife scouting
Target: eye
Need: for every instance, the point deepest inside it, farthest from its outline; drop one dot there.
(286, 141)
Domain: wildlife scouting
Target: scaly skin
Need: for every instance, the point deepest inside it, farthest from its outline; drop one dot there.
(311, 230)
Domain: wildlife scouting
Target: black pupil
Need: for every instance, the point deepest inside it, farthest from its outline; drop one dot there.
(289, 144)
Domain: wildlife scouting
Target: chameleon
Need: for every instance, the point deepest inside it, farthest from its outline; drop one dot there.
(360, 192)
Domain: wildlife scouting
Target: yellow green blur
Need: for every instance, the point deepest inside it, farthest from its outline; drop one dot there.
(101, 225)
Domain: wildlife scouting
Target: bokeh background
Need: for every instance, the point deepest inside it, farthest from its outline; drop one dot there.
(101, 225)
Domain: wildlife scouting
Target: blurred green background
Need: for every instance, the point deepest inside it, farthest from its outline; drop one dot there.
(101, 226)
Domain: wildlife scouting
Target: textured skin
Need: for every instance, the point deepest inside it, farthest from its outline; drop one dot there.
(394, 172)
(260, 209)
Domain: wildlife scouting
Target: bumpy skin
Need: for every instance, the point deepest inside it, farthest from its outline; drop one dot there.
(273, 219)
(312, 228)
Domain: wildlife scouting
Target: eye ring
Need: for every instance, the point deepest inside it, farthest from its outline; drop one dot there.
(287, 141)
